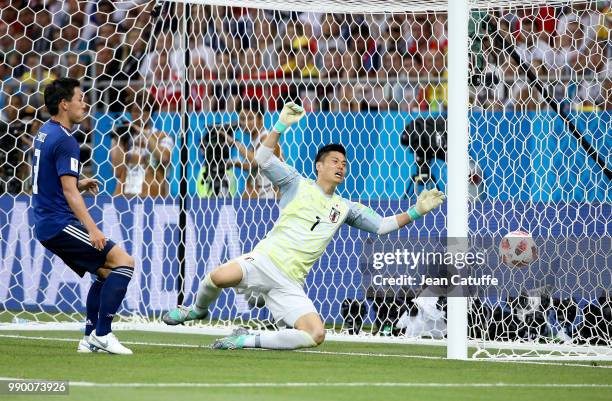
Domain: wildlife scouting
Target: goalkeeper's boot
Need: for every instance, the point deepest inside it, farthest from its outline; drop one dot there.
(181, 315)
(233, 341)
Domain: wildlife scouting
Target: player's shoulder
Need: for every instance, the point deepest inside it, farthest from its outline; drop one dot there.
(54, 132)
(53, 127)
(349, 205)
(358, 207)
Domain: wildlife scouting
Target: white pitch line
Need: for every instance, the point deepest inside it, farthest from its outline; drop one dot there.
(313, 351)
(364, 354)
(326, 384)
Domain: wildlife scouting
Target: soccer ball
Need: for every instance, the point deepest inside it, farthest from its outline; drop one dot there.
(518, 249)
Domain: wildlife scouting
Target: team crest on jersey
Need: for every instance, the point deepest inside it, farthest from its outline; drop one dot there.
(334, 214)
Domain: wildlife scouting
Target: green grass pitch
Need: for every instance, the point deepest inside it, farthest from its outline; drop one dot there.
(180, 367)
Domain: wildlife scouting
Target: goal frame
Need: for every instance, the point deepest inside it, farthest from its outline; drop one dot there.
(457, 342)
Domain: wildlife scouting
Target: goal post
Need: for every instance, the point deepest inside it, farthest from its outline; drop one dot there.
(422, 93)
(458, 160)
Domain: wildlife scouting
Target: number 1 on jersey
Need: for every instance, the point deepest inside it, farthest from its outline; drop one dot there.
(315, 224)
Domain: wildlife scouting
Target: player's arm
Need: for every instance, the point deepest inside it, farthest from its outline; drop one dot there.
(76, 203)
(67, 166)
(364, 218)
(291, 114)
(88, 184)
(278, 172)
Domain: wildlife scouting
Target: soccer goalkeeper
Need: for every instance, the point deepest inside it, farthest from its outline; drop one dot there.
(310, 215)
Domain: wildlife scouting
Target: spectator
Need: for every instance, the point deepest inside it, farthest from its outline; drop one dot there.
(331, 64)
(100, 14)
(420, 34)
(595, 70)
(362, 58)
(141, 154)
(36, 74)
(202, 88)
(379, 23)
(109, 36)
(395, 37)
(293, 30)
(132, 54)
(239, 28)
(568, 46)
(311, 21)
(251, 121)
(435, 91)
(533, 45)
(128, 160)
(107, 68)
(401, 88)
(216, 178)
(490, 92)
(6, 38)
(165, 87)
(74, 66)
(330, 39)
(587, 14)
(304, 65)
(202, 54)
(225, 88)
(69, 40)
(439, 37)
(14, 143)
(265, 42)
(41, 31)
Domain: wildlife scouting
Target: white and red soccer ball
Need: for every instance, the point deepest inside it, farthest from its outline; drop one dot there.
(518, 249)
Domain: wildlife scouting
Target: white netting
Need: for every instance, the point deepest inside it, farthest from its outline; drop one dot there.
(181, 93)
(374, 6)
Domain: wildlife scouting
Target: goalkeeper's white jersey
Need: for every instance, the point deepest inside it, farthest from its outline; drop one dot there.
(308, 220)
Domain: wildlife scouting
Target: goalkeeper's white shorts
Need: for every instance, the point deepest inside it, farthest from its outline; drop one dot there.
(285, 298)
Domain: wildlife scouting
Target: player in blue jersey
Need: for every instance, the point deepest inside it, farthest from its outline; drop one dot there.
(63, 224)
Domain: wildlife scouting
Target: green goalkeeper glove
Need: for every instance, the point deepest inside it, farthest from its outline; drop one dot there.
(427, 201)
(291, 114)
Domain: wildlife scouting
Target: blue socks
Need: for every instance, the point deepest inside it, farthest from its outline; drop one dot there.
(111, 296)
(93, 305)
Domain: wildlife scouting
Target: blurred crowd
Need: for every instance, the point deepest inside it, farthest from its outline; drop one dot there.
(327, 62)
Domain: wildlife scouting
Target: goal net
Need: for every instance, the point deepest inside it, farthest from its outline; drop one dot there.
(181, 93)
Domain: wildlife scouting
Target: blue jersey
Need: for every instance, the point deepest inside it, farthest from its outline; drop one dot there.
(56, 153)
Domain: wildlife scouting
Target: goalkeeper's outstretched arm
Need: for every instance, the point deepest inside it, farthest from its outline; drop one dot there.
(366, 219)
(279, 173)
(291, 114)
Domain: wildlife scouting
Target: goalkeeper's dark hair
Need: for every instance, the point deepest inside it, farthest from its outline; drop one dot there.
(325, 150)
(58, 90)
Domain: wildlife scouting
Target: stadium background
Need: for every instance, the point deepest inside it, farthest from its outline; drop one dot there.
(522, 147)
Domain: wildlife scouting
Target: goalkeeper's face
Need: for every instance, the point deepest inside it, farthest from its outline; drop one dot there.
(332, 168)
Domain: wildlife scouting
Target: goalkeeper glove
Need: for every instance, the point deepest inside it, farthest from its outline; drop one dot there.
(427, 201)
(291, 114)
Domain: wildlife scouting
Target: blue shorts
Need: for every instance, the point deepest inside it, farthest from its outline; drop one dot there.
(73, 247)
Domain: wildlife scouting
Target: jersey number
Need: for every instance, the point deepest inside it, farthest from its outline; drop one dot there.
(35, 173)
(315, 223)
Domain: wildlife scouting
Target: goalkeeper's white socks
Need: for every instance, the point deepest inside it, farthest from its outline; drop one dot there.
(283, 339)
(207, 293)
